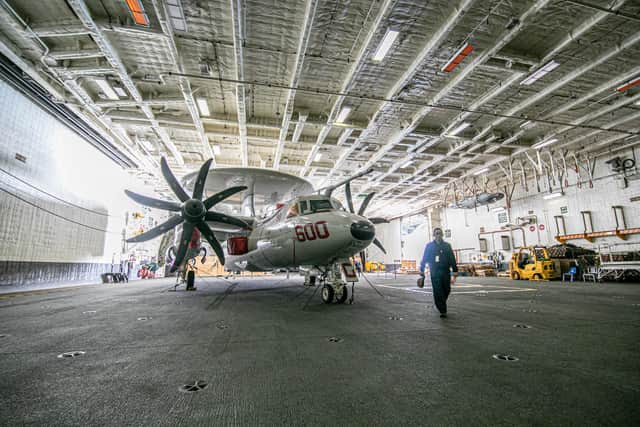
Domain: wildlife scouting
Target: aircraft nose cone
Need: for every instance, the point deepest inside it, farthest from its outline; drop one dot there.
(363, 230)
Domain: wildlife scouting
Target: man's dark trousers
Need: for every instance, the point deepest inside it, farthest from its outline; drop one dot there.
(441, 284)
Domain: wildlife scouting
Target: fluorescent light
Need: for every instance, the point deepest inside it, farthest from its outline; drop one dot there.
(146, 143)
(498, 209)
(407, 163)
(552, 196)
(481, 171)
(121, 93)
(203, 107)
(541, 144)
(343, 114)
(385, 45)
(550, 66)
(216, 150)
(462, 126)
(317, 157)
(107, 89)
(527, 125)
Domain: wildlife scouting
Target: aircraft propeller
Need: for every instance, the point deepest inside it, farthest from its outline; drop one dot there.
(363, 206)
(193, 212)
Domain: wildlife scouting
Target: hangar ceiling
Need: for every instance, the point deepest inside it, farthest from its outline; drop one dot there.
(469, 90)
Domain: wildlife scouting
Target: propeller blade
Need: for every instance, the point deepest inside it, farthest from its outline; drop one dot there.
(218, 197)
(153, 203)
(187, 233)
(347, 191)
(172, 181)
(365, 203)
(377, 220)
(226, 219)
(379, 245)
(157, 230)
(211, 238)
(202, 178)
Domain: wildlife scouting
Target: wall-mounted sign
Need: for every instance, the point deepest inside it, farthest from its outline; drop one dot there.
(541, 227)
(532, 228)
(502, 218)
(447, 233)
(563, 209)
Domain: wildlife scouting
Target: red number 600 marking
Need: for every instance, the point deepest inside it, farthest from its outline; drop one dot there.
(318, 230)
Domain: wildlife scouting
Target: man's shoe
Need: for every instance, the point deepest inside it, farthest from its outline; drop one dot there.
(443, 315)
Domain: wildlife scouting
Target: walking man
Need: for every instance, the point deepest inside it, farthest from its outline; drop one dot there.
(442, 267)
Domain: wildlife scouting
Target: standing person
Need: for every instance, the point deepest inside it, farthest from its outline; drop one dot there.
(442, 267)
(358, 267)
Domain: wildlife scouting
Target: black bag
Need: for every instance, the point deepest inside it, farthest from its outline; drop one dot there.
(421, 282)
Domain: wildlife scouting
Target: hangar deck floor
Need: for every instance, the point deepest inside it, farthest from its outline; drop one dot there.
(262, 346)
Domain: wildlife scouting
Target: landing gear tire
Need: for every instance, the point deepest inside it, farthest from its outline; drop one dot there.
(515, 275)
(537, 277)
(327, 294)
(191, 279)
(343, 297)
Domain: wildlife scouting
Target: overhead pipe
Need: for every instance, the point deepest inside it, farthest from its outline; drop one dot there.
(81, 10)
(453, 19)
(295, 79)
(241, 107)
(347, 84)
(183, 83)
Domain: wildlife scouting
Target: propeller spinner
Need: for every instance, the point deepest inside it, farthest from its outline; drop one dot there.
(363, 207)
(193, 212)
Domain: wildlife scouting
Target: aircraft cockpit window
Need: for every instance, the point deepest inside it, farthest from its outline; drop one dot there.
(304, 207)
(293, 210)
(320, 205)
(337, 205)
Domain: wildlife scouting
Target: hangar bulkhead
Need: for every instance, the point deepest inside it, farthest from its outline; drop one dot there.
(319, 211)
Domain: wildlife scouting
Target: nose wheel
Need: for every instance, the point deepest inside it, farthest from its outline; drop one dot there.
(328, 294)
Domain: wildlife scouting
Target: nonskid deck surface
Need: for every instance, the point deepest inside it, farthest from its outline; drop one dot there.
(267, 351)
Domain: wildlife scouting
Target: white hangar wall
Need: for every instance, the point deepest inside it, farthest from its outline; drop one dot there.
(465, 224)
(62, 208)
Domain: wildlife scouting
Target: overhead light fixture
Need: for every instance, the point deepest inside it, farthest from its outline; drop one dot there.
(498, 209)
(145, 143)
(176, 14)
(138, 13)
(481, 171)
(216, 150)
(344, 113)
(406, 164)
(106, 89)
(120, 91)
(457, 58)
(527, 125)
(385, 45)
(541, 144)
(203, 106)
(462, 126)
(552, 196)
(628, 85)
(547, 68)
(317, 157)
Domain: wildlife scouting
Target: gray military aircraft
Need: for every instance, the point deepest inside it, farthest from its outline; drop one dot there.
(479, 199)
(311, 233)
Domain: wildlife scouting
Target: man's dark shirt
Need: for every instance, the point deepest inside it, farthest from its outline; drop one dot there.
(440, 258)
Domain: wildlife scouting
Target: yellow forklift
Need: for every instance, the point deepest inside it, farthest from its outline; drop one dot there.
(534, 263)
